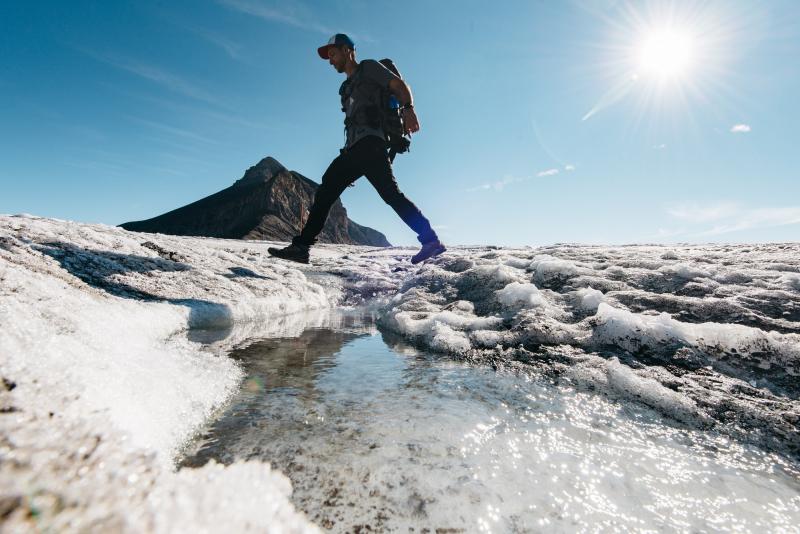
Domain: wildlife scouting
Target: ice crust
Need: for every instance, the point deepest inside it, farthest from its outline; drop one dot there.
(102, 387)
(709, 335)
(113, 351)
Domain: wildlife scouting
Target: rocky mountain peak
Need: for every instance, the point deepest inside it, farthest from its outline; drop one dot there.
(268, 203)
(261, 172)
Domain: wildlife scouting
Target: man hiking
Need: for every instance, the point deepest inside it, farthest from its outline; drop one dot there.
(365, 150)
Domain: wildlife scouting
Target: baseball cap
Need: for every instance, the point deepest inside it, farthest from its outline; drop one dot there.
(339, 39)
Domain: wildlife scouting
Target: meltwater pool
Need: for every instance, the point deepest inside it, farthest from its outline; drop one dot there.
(378, 436)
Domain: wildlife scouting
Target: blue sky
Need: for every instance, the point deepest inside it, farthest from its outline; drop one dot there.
(542, 122)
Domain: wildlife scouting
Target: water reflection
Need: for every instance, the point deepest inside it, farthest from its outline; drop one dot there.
(373, 433)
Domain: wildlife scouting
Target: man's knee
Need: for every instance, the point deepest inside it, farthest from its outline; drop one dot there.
(322, 192)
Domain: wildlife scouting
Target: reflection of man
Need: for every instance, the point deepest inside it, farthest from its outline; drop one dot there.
(365, 151)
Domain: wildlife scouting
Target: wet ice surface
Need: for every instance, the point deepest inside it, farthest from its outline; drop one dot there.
(374, 433)
(100, 387)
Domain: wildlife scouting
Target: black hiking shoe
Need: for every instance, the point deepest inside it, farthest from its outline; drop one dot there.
(293, 252)
(428, 250)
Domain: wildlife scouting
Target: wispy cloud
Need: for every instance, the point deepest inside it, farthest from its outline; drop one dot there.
(731, 217)
(569, 167)
(194, 109)
(662, 146)
(114, 164)
(548, 172)
(498, 185)
(669, 232)
(509, 179)
(692, 212)
(171, 130)
(285, 14)
(758, 218)
(740, 128)
(155, 74)
(233, 49)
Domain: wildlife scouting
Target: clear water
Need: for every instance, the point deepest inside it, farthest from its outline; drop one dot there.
(375, 434)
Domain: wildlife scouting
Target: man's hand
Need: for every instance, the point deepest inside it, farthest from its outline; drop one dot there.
(410, 121)
(400, 89)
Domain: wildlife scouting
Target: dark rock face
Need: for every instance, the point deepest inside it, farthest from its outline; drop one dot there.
(269, 202)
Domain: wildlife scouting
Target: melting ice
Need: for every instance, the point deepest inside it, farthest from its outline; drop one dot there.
(373, 432)
(650, 378)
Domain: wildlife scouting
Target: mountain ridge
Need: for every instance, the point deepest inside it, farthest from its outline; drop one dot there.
(269, 202)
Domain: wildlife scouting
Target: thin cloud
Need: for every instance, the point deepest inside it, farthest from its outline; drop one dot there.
(692, 212)
(155, 74)
(662, 146)
(509, 179)
(670, 232)
(759, 218)
(274, 14)
(740, 128)
(171, 130)
(185, 106)
(730, 217)
(569, 167)
(481, 187)
(233, 49)
(498, 185)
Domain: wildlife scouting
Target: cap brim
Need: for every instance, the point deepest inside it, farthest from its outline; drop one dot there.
(323, 51)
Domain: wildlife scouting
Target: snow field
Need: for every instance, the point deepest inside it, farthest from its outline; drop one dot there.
(508, 297)
(102, 386)
(520, 305)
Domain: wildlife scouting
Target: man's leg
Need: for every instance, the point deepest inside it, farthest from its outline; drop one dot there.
(341, 172)
(378, 171)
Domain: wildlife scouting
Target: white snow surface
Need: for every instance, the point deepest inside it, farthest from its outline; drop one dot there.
(105, 377)
(708, 335)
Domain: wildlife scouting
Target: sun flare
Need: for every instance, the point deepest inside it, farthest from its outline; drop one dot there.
(665, 54)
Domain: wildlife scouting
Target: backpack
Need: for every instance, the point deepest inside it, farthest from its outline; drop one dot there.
(392, 118)
(382, 112)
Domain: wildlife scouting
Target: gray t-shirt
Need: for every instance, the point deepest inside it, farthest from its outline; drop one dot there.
(360, 100)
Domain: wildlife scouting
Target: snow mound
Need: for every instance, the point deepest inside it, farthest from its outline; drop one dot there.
(522, 295)
(95, 358)
(83, 479)
(713, 331)
(685, 270)
(633, 332)
(589, 299)
(549, 269)
(790, 281)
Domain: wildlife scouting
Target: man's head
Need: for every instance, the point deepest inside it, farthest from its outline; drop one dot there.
(339, 50)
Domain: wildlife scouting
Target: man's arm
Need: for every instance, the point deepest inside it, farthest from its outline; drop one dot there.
(403, 93)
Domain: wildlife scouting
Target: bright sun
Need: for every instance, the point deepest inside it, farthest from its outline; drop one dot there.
(665, 54)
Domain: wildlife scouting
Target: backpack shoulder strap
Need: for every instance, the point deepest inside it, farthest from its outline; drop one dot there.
(389, 64)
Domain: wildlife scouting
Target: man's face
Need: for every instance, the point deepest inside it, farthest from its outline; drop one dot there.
(337, 58)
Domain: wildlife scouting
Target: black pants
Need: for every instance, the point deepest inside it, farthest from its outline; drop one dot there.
(368, 157)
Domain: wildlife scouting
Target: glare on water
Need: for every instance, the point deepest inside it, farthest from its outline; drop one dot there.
(372, 432)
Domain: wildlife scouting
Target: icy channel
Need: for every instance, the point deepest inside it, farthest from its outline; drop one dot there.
(375, 434)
